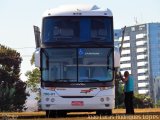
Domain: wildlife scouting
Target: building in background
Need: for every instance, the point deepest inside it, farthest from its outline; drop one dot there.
(141, 57)
(157, 89)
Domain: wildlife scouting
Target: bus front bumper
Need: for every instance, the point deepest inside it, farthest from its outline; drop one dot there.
(95, 103)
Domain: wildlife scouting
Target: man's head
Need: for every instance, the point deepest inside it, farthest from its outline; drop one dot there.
(126, 74)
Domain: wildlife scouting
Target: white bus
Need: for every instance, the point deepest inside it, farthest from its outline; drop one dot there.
(76, 58)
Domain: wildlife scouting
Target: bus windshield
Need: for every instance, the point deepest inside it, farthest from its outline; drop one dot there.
(77, 64)
(77, 29)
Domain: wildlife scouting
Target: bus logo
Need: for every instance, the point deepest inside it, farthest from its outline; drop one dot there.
(81, 52)
(87, 91)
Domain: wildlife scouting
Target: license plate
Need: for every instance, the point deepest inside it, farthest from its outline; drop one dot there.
(77, 103)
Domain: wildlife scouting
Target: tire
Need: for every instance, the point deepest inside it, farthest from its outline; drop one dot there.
(104, 112)
(109, 112)
(48, 113)
(62, 113)
(55, 114)
(51, 114)
(100, 112)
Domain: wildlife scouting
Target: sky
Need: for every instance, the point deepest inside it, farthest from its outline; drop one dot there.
(17, 18)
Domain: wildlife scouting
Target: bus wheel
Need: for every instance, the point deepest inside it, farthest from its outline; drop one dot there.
(100, 112)
(109, 112)
(48, 113)
(104, 112)
(51, 114)
(62, 113)
(55, 113)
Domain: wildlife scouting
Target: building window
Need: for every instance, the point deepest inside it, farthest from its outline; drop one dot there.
(141, 27)
(133, 29)
(159, 35)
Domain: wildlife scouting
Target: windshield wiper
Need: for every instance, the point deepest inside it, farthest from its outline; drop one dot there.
(62, 80)
(90, 80)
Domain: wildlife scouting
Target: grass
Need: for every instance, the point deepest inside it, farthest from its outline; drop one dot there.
(144, 110)
(23, 113)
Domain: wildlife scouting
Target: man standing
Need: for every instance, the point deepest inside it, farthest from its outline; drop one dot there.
(128, 89)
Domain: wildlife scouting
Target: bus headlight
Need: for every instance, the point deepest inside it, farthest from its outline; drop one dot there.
(102, 99)
(47, 99)
(107, 99)
(52, 99)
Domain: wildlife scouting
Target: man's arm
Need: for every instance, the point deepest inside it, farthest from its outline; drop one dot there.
(123, 79)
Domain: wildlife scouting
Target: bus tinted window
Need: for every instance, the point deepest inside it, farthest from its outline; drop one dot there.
(77, 29)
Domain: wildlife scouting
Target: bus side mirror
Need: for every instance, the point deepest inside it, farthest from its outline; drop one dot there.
(116, 58)
(37, 36)
(37, 58)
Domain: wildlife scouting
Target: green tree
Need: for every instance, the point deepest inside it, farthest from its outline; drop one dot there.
(119, 92)
(33, 79)
(119, 97)
(142, 101)
(12, 90)
(158, 104)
